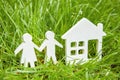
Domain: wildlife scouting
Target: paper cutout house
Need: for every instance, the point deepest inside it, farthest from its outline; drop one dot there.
(77, 40)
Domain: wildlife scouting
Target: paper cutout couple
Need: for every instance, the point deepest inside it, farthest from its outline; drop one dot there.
(28, 54)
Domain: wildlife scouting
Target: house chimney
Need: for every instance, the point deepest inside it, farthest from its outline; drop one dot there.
(100, 26)
(99, 43)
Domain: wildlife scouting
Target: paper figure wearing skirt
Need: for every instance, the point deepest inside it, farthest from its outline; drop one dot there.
(28, 53)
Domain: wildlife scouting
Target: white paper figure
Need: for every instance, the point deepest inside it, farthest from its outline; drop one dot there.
(50, 43)
(28, 54)
(77, 40)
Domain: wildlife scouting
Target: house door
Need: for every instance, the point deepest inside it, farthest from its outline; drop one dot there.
(92, 48)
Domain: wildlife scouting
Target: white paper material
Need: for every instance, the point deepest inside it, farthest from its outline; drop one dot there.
(79, 35)
(28, 53)
(76, 44)
(49, 43)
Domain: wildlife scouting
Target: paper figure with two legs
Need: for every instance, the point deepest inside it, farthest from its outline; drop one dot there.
(28, 53)
(49, 43)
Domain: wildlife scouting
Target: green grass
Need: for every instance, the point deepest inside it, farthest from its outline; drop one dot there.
(37, 16)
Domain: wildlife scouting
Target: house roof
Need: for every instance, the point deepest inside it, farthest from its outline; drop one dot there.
(84, 29)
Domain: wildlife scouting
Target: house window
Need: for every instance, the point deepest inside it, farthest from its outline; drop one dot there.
(77, 47)
(81, 51)
(73, 52)
(73, 44)
(81, 43)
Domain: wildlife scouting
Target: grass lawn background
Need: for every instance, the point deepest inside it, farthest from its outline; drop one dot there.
(37, 16)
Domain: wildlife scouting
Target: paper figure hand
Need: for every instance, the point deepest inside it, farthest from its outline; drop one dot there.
(40, 49)
(15, 53)
(57, 43)
(44, 44)
(61, 46)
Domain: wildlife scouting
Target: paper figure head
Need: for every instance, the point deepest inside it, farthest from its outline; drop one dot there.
(49, 35)
(27, 37)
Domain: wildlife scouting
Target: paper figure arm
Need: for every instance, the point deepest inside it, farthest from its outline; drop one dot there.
(58, 44)
(36, 47)
(18, 49)
(44, 44)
